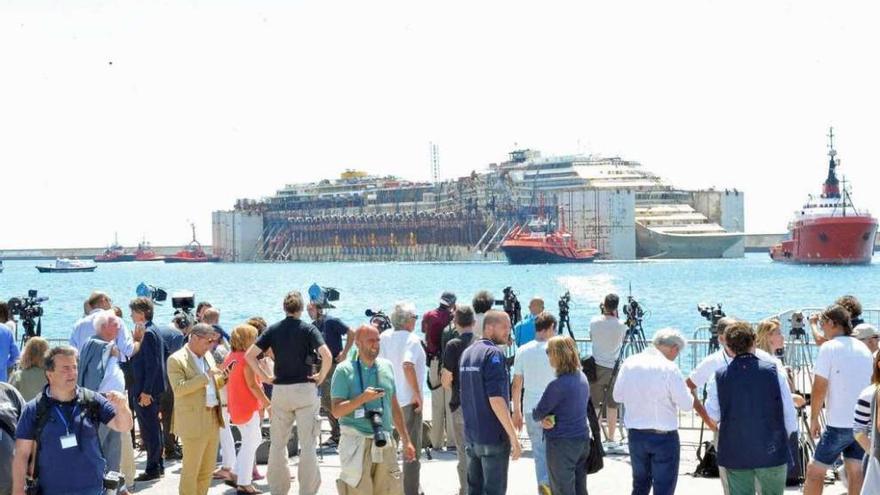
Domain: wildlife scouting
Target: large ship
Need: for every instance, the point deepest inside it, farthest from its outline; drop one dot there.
(363, 217)
(829, 229)
(667, 225)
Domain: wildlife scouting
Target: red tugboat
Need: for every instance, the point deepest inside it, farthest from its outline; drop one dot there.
(145, 253)
(193, 253)
(829, 229)
(535, 243)
(114, 254)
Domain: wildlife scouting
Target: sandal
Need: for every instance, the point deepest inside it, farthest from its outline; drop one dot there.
(222, 474)
(247, 490)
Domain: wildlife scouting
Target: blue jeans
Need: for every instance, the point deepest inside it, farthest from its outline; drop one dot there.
(487, 468)
(539, 449)
(654, 458)
(833, 443)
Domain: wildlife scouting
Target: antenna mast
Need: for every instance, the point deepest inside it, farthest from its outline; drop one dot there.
(435, 163)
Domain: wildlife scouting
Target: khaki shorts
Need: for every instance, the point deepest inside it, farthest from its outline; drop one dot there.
(597, 388)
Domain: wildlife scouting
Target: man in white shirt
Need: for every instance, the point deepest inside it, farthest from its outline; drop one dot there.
(531, 367)
(606, 334)
(652, 390)
(84, 329)
(842, 370)
(408, 360)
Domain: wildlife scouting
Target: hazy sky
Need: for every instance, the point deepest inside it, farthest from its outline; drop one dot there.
(135, 117)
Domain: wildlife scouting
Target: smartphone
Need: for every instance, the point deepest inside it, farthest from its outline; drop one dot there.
(230, 366)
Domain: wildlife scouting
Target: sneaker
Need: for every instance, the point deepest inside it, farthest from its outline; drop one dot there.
(145, 476)
(607, 445)
(330, 443)
(617, 449)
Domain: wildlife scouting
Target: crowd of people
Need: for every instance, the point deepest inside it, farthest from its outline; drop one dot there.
(195, 391)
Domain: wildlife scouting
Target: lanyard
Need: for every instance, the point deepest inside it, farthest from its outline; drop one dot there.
(358, 370)
(64, 420)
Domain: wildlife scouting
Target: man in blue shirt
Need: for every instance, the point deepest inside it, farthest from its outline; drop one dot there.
(485, 403)
(8, 348)
(524, 332)
(69, 459)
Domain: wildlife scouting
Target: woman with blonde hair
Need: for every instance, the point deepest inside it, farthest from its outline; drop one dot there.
(563, 414)
(768, 336)
(30, 379)
(246, 399)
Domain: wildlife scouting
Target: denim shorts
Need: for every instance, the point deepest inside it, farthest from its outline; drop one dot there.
(836, 441)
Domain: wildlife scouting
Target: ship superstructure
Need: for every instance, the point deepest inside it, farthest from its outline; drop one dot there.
(364, 217)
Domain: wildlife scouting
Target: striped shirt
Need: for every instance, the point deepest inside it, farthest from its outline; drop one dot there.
(862, 414)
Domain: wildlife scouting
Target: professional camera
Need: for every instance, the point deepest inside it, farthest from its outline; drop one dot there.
(511, 305)
(564, 302)
(29, 310)
(633, 312)
(378, 319)
(183, 300)
(380, 436)
(711, 313)
(798, 323)
(113, 481)
(156, 294)
(322, 296)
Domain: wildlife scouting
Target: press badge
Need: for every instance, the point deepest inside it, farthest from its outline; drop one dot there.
(68, 441)
(359, 414)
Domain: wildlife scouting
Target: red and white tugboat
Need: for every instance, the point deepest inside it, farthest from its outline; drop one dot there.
(537, 243)
(146, 253)
(193, 253)
(829, 229)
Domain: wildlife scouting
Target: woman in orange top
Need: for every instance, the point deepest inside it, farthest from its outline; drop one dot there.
(246, 399)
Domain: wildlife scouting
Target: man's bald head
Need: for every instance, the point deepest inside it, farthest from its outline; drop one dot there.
(366, 337)
(496, 326)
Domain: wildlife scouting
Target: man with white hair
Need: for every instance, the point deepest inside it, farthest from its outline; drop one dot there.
(99, 371)
(652, 390)
(868, 335)
(408, 361)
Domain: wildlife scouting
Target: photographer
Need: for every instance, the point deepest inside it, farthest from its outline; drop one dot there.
(607, 333)
(482, 303)
(332, 329)
(434, 322)
(364, 400)
(294, 343)
(61, 424)
(8, 348)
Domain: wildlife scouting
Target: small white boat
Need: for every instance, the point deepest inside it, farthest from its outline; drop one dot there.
(68, 265)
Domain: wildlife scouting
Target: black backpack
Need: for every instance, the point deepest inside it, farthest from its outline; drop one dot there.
(708, 457)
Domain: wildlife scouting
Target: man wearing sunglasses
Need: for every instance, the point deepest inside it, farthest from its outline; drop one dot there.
(196, 382)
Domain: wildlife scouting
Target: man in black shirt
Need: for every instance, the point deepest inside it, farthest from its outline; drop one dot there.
(464, 323)
(295, 345)
(333, 330)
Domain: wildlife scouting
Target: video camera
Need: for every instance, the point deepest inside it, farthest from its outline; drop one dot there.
(28, 309)
(713, 314)
(378, 319)
(633, 312)
(156, 294)
(511, 305)
(798, 324)
(322, 296)
(183, 300)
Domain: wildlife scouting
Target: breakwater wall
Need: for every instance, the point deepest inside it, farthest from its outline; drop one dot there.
(81, 253)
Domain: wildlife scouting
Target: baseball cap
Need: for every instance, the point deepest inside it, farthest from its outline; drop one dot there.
(864, 331)
(447, 299)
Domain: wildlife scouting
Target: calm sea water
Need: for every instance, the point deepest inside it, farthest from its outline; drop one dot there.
(750, 288)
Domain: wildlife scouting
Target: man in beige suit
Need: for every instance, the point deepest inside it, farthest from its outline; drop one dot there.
(196, 383)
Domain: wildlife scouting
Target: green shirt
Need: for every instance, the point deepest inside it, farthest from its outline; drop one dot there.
(345, 385)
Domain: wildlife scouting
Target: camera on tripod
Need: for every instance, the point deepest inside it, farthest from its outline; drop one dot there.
(511, 305)
(633, 312)
(712, 314)
(564, 303)
(29, 310)
(798, 324)
(378, 319)
(156, 294)
(323, 296)
(183, 300)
